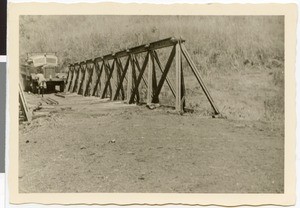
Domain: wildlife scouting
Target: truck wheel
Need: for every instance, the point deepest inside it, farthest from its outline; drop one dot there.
(62, 87)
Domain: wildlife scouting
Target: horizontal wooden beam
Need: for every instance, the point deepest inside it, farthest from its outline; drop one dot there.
(140, 49)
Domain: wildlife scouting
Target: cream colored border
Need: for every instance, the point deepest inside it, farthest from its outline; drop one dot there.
(290, 13)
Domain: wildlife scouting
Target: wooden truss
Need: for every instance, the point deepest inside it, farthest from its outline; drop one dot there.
(104, 76)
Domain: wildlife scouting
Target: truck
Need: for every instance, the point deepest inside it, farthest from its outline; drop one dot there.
(45, 63)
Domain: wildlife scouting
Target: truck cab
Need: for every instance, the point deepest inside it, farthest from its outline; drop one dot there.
(47, 64)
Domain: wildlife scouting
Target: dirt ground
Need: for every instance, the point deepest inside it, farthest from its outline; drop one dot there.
(88, 145)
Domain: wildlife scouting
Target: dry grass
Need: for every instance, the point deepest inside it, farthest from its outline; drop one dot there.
(241, 58)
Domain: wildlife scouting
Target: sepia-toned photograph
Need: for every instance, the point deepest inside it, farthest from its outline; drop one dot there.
(184, 104)
(120, 105)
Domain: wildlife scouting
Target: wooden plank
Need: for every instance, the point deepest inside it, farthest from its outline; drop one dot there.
(123, 76)
(199, 78)
(165, 72)
(138, 80)
(24, 106)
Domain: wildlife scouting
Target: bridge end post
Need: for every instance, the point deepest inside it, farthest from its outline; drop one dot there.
(179, 103)
(150, 76)
(129, 82)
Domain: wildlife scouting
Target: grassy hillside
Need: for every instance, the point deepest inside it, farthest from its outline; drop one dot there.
(241, 58)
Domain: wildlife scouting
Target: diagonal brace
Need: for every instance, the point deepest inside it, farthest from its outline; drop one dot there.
(164, 72)
(137, 83)
(107, 84)
(122, 79)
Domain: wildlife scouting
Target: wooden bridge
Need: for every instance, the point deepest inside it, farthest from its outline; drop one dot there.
(105, 75)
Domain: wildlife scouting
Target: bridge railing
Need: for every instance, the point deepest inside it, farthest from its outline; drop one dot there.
(105, 75)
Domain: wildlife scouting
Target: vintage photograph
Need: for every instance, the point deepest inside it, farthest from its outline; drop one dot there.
(151, 104)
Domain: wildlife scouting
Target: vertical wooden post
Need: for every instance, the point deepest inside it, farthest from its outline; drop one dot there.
(82, 78)
(182, 89)
(109, 75)
(135, 90)
(89, 74)
(117, 78)
(114, 78)
(178, 103)
(150, 77)
(75, 78)
(105, 79)
(78, 79)
(155, 98)
(78, 71)
(89, 83)
(120, 80)
(129, 82)
(70, 78)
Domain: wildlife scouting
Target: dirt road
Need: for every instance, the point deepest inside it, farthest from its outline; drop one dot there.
(86, 145)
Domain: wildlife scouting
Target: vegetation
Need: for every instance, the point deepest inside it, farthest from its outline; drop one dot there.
(241, 58)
